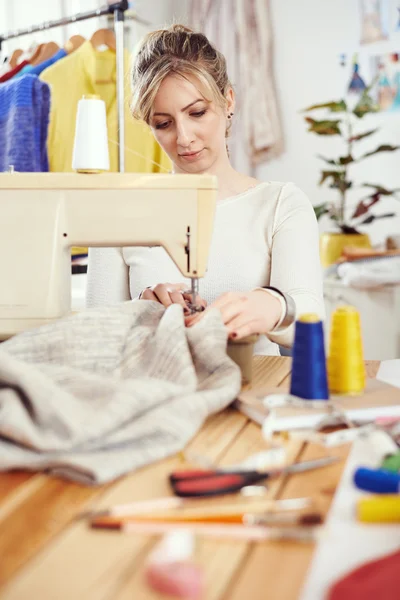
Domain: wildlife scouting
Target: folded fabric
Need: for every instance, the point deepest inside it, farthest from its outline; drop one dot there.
(376, 579)
(370, 272)
(24, 121)
(108, 390)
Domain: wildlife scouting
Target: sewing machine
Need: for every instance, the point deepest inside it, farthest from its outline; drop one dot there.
(44, 214)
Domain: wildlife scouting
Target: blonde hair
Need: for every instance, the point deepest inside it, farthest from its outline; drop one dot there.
(177, 50)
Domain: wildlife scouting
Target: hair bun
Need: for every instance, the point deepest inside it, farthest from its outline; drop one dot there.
(178, 28)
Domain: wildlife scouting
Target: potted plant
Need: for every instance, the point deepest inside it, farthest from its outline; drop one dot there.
(346, 220)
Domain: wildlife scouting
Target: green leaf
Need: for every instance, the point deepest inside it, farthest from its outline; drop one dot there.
(345, 160)
(335, 175)
(373, 218)
(321, 209)
(365, 105)
(382, 148)
(342, 160)
(341, 185)
(360, 136)
(339, 106)
(330, 161)
(323, 127)
(381, 190)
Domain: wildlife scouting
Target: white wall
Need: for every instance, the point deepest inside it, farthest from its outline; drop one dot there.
(20, 14)
(309, 36)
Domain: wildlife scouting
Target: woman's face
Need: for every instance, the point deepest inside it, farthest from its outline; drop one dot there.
(188, 127)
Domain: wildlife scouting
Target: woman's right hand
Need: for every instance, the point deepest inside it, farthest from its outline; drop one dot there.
(171, 293)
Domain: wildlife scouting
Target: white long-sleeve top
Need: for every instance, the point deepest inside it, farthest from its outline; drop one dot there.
(267, 235)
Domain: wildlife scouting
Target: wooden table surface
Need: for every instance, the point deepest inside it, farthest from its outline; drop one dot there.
(47, 553)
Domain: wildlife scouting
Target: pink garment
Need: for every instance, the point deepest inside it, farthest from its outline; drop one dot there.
(242, 31)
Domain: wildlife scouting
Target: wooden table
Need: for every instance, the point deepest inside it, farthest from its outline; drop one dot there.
(48, 554)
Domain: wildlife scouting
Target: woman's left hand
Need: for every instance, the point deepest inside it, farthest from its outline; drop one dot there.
(244, 313)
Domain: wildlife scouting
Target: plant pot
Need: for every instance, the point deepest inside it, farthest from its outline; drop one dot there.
(332, 244)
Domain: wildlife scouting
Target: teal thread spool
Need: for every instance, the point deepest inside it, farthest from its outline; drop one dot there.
(309, 378)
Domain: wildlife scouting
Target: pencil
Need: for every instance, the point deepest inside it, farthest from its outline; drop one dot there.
(276, 519)
(163, 508)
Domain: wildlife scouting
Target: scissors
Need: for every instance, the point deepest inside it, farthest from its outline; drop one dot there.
(213, 482)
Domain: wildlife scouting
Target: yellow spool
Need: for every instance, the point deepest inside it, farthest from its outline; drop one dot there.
(346, 370)
(379, 509)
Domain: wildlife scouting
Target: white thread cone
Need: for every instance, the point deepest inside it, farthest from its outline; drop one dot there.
(91, 143)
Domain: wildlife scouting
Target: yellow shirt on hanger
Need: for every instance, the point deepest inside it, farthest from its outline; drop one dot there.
(90, 71)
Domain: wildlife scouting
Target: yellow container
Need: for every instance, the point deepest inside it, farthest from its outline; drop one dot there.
(384, 508)
(346, 370)
(331, 245)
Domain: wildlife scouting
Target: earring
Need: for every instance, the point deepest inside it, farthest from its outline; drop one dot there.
(230, 115)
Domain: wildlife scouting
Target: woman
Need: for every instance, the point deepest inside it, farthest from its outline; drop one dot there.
(265, 233)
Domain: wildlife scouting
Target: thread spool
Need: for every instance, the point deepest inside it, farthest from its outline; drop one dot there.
(346, 370)
(90, 153)
(309, 377)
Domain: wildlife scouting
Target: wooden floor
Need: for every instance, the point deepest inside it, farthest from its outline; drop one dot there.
(47, 553)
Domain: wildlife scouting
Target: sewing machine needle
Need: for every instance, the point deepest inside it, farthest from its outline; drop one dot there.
(195, 292)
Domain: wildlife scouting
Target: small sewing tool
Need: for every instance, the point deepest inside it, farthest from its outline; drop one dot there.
(346, 370)
(228, 531)
(391, 462)
(379, 509)
(377, 481)
(273, 457)
(240, 518)
(309, 378)
(200, 483)
(205, 511)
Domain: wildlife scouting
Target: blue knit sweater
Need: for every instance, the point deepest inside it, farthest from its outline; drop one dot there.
(24, 120)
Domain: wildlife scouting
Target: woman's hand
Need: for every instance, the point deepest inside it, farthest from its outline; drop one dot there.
(171, 293)
(245, 313)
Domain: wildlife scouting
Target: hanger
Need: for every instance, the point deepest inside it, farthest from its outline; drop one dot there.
(48, 50)
(36, 52)
(13, 62)
(73, 43)
(103, 37)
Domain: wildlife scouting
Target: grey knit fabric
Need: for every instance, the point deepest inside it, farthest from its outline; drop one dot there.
(98, 394)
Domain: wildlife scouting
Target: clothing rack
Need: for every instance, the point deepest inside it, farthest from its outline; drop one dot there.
(118, 9)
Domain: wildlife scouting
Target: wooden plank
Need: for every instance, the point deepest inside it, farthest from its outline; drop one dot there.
(9, 482)
(220, 560)
(263, 571)
(49, 505)
(77, 560)
(270, 370)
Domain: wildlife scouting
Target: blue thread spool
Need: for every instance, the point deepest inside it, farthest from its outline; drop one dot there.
(309, 379)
